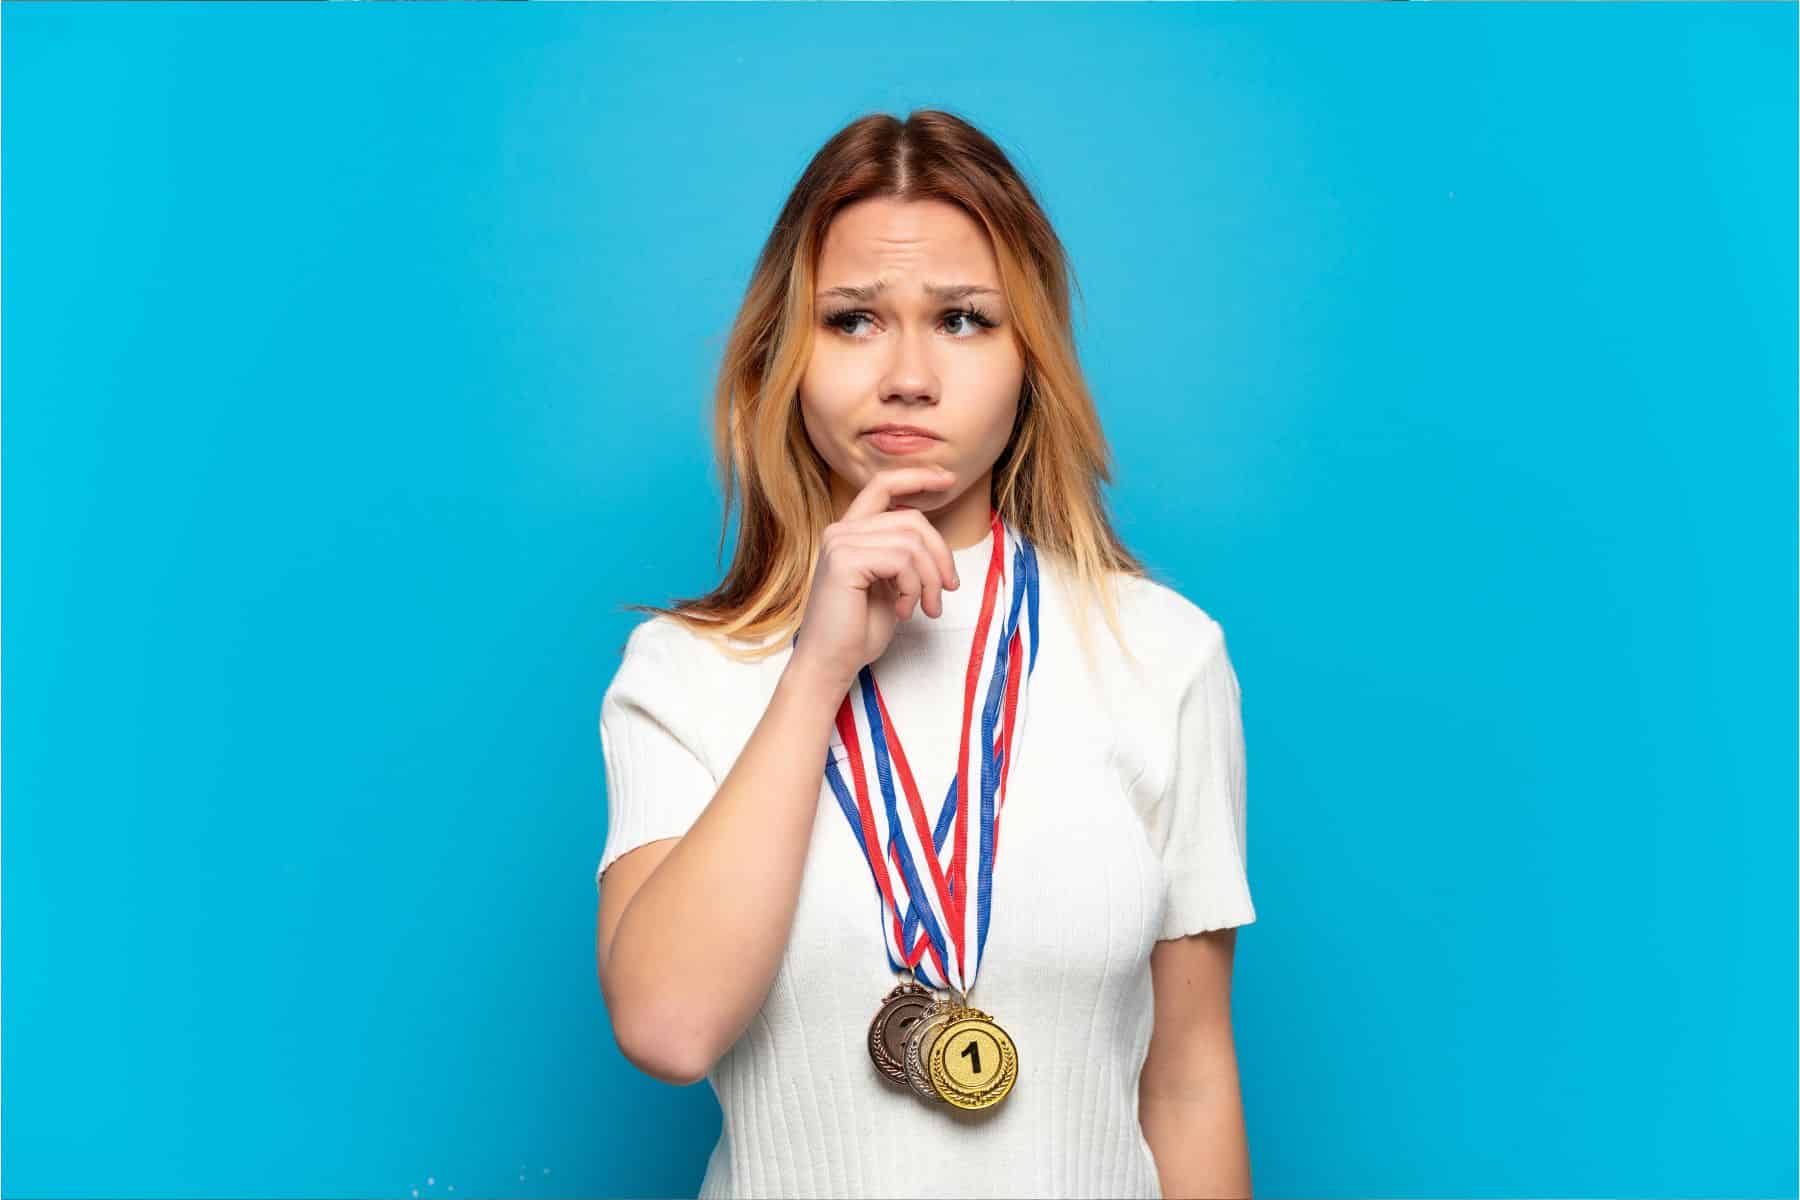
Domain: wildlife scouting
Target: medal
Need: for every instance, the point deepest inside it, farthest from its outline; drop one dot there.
(919, 1043)
(973, 1061)
(941, 1049)
(900, 1011)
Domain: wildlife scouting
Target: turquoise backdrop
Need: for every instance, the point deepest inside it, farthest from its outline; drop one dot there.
(355, 366)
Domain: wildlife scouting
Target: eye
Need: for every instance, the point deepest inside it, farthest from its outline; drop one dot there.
(844, 320)
(973, 315)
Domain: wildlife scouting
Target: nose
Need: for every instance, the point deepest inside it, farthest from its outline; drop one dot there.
(910, 379)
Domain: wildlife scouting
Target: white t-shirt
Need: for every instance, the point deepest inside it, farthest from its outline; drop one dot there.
(1124, 823)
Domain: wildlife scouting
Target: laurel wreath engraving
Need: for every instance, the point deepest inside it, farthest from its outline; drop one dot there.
(878, 1050)
(992, 1094)
(917, 1073)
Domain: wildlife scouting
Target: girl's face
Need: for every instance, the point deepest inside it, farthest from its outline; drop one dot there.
(912, 329)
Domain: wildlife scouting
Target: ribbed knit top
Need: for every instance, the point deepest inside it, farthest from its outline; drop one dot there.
(1124, 823)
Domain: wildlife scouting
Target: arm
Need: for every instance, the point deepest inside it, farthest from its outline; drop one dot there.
(1188, 1095)
(1188, 1098)
(692, 934)
(691, 929)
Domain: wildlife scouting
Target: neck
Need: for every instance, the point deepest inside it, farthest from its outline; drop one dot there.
(962, 520)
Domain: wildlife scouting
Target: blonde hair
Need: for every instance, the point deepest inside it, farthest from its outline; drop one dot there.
(1046, 482)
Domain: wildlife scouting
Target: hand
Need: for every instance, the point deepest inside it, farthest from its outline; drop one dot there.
(877, 565)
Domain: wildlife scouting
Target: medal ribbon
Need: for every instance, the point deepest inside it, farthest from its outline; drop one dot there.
(927, 923)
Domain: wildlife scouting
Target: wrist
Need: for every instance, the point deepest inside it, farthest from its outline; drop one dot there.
(813, 687)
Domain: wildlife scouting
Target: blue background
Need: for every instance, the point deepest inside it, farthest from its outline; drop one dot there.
(356, 361)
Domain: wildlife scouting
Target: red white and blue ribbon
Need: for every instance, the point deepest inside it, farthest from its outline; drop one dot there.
(926, 866)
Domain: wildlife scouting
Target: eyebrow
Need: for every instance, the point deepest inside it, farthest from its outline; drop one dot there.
(867, 292)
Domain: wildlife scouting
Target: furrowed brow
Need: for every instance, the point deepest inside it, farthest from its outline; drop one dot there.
(865, 293)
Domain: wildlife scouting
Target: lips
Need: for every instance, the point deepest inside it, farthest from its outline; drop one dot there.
(891, 441)
(892, 427)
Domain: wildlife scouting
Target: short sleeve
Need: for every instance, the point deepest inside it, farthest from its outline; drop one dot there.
(657, 780)
(1201, 817)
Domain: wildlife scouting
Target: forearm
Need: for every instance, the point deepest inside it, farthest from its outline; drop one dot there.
(1198, 1139)
(697, 948)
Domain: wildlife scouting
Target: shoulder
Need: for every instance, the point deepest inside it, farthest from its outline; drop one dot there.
(1176, 634)
(684, 681)
(657, 681)
(665, 639)
(659, 653)
(658, 633)
(664, 652)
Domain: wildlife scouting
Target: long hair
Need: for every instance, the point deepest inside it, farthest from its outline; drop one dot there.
(1046, 482)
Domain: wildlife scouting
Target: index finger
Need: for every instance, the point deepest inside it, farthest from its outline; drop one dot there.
(878, 494)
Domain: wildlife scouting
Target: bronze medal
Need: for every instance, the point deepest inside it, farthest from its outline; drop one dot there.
(972, 1062)
(900, 1010)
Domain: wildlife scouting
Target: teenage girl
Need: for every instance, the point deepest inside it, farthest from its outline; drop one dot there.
(921, 543)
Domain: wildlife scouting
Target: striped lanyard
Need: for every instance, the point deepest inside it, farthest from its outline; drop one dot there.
(927, 924)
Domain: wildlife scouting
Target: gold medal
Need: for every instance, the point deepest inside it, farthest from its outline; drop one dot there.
(919, 1042)
(900, 1010)
(972, 1063)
